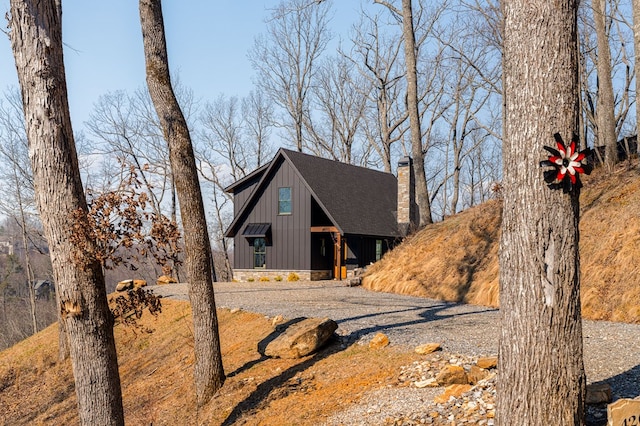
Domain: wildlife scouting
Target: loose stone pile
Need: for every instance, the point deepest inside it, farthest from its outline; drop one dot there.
(466, 390)
(440, 389)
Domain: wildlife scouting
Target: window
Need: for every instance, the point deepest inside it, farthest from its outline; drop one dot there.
(378, 249)
(284, 200)
(259, 253)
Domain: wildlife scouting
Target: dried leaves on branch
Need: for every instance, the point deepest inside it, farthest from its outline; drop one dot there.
(123, 230)
(127, 308)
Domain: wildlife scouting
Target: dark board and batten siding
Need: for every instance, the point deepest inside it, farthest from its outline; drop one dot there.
(290, 240)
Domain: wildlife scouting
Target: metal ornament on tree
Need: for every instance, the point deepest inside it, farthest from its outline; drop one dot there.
(567, 164)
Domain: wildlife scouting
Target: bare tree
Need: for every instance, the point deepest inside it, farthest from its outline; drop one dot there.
(377, 58)
(36, 40)
(605, 109)
(635, 4)
(20, 202)
(410, 56)
(234, 141)
(285, 58)
(541, 377)
(257, 113)
(208, 371)
(340, 101)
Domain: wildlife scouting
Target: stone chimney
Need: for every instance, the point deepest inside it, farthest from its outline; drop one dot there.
(407, 207)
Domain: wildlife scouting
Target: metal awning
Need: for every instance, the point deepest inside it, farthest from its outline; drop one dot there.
(257, 230)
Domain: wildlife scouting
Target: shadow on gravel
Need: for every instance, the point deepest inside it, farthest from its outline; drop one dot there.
(626, 384)
(426, 315)
(623, 385)
(279, 386)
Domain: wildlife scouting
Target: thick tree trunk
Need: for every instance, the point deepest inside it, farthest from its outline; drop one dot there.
(36, 39)
(422, 192)
(605, 108)
(209, 373)
(541, 375)
(636, 42)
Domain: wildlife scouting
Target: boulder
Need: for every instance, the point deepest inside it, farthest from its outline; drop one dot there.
(428, 348)
(452, 375)
(165, 279)
(475, 374)
(301, 338)
(487, 362)
(380, 340)
(124, 285)
(598, 393)
(452, 391)
(139, 283)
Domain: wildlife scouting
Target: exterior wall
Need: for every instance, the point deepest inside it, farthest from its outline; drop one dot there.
(289, 248)
(241, 194)
(279, 275)
(361, 250)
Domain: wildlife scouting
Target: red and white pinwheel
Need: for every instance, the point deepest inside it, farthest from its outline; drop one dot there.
(567, 164)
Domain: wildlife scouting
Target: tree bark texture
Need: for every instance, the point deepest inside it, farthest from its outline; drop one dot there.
(208, 371)
(605, 106)
(541, 376)
(422, 192)
(636, 62)
(36, 39)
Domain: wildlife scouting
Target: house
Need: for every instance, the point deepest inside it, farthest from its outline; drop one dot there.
(43, 289)
(316, 217)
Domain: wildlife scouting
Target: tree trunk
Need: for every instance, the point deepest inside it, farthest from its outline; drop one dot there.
(422, 192)
(36, 39)
(636, 42)
(208, 371)
(541, 376)
(605, 108)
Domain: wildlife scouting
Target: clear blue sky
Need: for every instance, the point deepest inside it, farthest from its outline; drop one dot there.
(207, 42)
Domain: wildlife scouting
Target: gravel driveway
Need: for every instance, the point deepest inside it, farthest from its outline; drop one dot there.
(611, 350)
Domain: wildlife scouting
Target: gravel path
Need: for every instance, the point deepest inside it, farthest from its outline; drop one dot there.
(611, 350)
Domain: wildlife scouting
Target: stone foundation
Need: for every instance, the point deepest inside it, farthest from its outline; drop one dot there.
(245, 275)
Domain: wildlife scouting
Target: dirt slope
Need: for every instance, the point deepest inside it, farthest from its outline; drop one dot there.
(156, 369)
(457, 259)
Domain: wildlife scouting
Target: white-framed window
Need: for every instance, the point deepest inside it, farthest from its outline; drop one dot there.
(284, 200)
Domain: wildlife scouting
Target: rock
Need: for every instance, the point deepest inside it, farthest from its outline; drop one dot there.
(139, 283)
(165, 279)
(475, 374)
(124, 285)
(301, 338)
(452, 391)
(487, 362)
(354, 282)
(428, 348)
(429, 383)
(452, 375)
(624, 412)
(598, 393)
(278, 319)
(380, 340)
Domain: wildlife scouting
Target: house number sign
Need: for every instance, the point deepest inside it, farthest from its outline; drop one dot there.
(624, 412)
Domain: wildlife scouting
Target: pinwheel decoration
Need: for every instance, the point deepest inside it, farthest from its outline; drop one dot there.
(567, 164)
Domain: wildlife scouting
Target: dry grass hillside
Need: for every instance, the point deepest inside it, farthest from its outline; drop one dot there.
(156, 374)
(457, 259)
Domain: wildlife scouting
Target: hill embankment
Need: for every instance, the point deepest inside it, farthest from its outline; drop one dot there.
(457, 259)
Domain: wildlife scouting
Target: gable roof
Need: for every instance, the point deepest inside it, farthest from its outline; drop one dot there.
(357, 200)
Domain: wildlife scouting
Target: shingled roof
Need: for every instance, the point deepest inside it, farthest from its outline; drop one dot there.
(357, 200)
